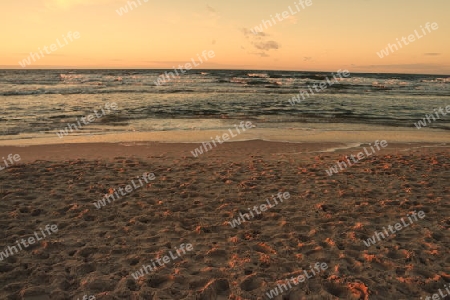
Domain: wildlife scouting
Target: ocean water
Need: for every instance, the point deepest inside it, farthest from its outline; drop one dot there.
(39, 103)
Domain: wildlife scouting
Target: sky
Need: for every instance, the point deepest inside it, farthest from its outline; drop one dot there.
(327, 35)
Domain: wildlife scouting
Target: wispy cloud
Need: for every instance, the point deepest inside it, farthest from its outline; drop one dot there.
(292, 19)
(259, 41)
(262, 54)
(210, 9)
(406, 66)
(266, 45)
(207, 18)
(249, 34)
(418, 67)
(66, 4)
(432, 54)
(162, 62)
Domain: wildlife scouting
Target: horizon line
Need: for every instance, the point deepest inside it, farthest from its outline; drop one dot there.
(216, 69)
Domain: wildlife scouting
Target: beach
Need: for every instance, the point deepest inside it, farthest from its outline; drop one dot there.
(176, 150)
(192, 200)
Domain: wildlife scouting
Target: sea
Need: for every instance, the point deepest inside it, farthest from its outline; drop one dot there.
(40, 103)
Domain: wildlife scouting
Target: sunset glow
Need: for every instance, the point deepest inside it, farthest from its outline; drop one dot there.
(323, 36)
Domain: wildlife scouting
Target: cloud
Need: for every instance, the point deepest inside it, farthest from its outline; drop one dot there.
(418, 67)
(406, 66)
(249, 34)
(66, 4)
(212, 12)
(266, 45)
(307, 58)
(262, 54)
(171, 62)
(259, 41)
(432, 54)
(291, 19)
(208, 18)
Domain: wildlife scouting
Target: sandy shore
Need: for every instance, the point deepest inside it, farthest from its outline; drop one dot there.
(192, 200)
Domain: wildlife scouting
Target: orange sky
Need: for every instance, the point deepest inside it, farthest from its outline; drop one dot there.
(324, 36)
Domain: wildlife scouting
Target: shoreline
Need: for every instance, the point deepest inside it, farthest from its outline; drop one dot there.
(295, 136)
(155, 150)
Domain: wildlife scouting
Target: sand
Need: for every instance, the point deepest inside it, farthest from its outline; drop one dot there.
(192, 200)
